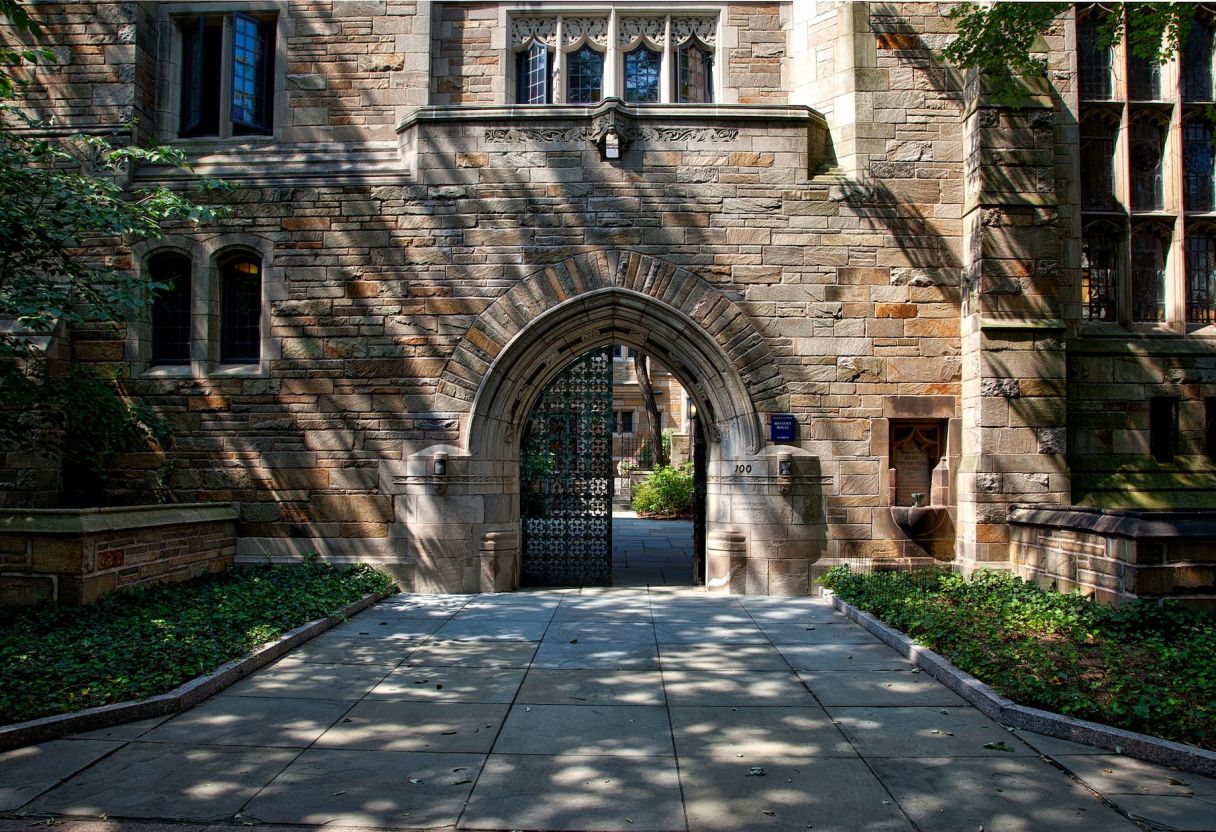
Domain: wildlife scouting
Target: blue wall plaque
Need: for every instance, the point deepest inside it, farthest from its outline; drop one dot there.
(782, 427)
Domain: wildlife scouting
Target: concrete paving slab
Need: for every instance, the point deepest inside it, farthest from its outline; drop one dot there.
(698, 633)
(122, 732)
(296, 679)
(251, 721)
(842, 657)
(804, 632)
(1014, 794)
(926, 732)
(27, 772)
(1179, 814)
(472, 654)
(450, 684)
(1115, 774)
(714, 657)
(416, 726)
(1053, 747)
(878, 687)
(163, 780)
(758, 687)
(545, 686)
(614, 730)
(336, 649)
(505, 614)
(836, 795)
(512, 629)
(611, 632)
(388, 627)
(763, 734)
(596, 654)
(369, 788)
(610, 794)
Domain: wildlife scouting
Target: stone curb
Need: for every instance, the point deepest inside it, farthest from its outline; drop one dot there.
(181, 698)
(1009, 713)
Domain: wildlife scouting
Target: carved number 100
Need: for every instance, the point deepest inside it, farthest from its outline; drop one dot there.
(743, 469)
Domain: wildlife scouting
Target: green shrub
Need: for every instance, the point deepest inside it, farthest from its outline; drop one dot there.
(1144, 666)
(667, 491)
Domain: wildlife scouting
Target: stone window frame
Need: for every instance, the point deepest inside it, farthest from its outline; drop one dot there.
(169, 70)
(724, 37)
(1174, 113)
(205, 257)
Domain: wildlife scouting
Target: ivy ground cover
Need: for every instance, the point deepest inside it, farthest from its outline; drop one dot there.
(130, 645)
(1143, 666)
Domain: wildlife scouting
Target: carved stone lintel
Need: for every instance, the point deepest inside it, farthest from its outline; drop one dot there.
(704, 29)
(528, 30)
(593, 29)
(652, 30)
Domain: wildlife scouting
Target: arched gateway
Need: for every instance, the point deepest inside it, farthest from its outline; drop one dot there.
(764, 507)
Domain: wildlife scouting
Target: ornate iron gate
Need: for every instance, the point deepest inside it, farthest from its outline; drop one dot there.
(566, 478)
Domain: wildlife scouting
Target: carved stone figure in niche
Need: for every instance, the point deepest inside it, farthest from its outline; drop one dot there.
(916, 456)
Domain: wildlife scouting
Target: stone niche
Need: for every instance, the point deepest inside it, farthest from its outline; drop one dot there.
(917, 443)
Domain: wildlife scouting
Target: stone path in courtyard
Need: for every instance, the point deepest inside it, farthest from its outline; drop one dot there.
(615, 709)
(650, 552)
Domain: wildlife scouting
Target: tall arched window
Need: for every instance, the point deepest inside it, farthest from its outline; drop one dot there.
(1149, 244)
(1099, 271)
(1097, 161)
(1201, 276)
(532, 85)
(1197, 164)
(1147, 151)
(171, 308)
(584, 76)
(695, 84)
(642, 76)
(1197, 62)
(1143, 78)
(240, 308)
(1095, 60)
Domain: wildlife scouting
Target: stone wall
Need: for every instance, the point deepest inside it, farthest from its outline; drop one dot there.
(1118, 555)
(76, 556)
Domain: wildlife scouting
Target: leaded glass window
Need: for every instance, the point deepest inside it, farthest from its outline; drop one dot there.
(1148, 275)
(696, 83)
(642, 76)
(532, 75)
(1197, 165)
(1095, 61)
(241, 310)
(171, 308)
(1147, 151)
(1097, 162)
(1099, 272)
(1143, 78)
(252, 62)
(585, 76)
(1197, 63)
(1200, 277)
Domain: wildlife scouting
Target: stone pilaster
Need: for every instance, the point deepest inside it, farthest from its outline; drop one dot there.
(1013, 362)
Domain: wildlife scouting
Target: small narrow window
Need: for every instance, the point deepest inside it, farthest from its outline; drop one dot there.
(532, 76)
(171, 308)
(642, 76)
(1099, 271)
(1147, 151)
(1197, 165)
(252, 74)
(1209, 427)
(1197, 63)
(1097, 162)
(1200, 278)
(1148, 275)
(241, 310)
(1163, 428)
(624, 421)
(696, 77)
(1095, 61)
(585, 71)
(202, 49)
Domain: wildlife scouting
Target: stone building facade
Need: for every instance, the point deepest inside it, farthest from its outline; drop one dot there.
(812, 215)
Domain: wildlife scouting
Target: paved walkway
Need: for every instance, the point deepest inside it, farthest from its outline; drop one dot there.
(650, 552)
(594, 710)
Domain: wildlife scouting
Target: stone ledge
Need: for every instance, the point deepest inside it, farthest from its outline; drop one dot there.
(181, 698)
(77, 521)
(1012, 715)
(1137, 525)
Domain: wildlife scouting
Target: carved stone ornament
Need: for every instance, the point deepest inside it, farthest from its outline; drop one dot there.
(704, 29)
(528, 30)
(575, 29)
(653, 30)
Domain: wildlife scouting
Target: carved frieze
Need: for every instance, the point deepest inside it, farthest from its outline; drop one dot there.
(576, 29)
(528, 30)
(630, 30)
(704, 29)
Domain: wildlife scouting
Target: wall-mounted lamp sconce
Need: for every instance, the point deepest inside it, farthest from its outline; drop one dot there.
(441, 472)
(785, 473)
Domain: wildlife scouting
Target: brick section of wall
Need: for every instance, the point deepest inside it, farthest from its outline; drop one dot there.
(83, 566)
